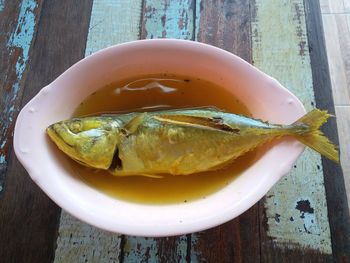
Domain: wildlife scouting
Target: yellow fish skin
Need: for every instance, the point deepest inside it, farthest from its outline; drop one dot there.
(177, 142)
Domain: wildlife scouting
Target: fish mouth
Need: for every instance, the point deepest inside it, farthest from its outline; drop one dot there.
(63, 145)
(59, 141)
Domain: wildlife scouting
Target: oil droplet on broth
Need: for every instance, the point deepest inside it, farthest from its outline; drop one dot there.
(150, 93)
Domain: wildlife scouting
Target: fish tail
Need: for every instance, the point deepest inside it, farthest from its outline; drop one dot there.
(307, 130)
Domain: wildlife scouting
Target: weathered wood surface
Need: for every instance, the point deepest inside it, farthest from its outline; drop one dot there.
(338, 213)
(163, 19)
(168, 19)
(80, 242)
(226, 24)
(336, 24)
(28, 218)
(335, 6)
(76, 239)
(290, 224)
(295, 209)
(18, 25)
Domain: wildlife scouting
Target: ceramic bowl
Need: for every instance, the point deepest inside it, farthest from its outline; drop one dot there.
(263, 95)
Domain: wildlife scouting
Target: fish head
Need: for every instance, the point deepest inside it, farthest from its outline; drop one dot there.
(91, 141)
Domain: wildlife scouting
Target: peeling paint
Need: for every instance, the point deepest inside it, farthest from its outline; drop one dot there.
(171, 19)
(23, 35)
(2, 5)
(308, 216)
(138, 249)
(80, 242)
(199, 8)
(3, 144)
(195, 255)
(121, 19)
(112, 22)
(284, 55)
(18, 46)
(2, 159)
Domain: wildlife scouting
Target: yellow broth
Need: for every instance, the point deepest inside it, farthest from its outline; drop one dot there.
(150, 93)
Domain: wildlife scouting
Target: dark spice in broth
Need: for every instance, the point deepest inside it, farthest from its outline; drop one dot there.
(156, 92)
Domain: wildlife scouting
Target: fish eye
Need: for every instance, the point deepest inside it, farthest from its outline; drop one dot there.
(76, 126)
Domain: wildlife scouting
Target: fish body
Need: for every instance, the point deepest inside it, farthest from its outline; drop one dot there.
(177, 142)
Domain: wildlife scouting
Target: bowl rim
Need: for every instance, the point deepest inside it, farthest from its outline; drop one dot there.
(146, 229)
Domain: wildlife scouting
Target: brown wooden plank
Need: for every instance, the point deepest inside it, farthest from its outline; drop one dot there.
(338, 212)
(226, 24)
(235, 241)
(28, 218)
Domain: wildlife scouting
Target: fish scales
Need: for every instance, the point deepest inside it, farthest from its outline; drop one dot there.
(177, 142)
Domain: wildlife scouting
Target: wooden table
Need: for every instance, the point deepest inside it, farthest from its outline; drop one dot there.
(303, 218)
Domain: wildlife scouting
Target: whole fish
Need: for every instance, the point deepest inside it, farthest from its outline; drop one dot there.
(177, 142)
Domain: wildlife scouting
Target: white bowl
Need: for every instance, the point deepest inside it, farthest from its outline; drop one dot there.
(265, 97)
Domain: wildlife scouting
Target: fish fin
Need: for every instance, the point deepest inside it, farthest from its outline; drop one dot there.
(314, 137)
(194, 121)
(134, 123)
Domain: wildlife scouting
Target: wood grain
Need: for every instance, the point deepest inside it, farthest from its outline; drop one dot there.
(337, 32)
(113, 22)
(339, 218)
(295, 210)
(226, 24)
(77, 240)
(263, 233)
(343, 124)
(80, 242)
(18, 31)
(336, 28)
(235, 241)
(335, 6)
(28, 218)
(168, 19)
(162, 19)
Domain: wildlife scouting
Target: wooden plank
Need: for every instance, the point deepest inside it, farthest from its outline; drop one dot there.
(77, 240)
(113, 22)
(235, 241)
(168, 19)
(343, 124)
(18, 31)
(226, 24)
(336, 28)
(294, 210)
(145, 249)
(160, 19)
(335, 6)
(339, 218)
(28, 218)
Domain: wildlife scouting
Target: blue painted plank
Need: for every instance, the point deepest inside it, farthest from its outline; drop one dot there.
(2, 5)
(168, 19)
(163, 19)
(296, 208)
(111, 22)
